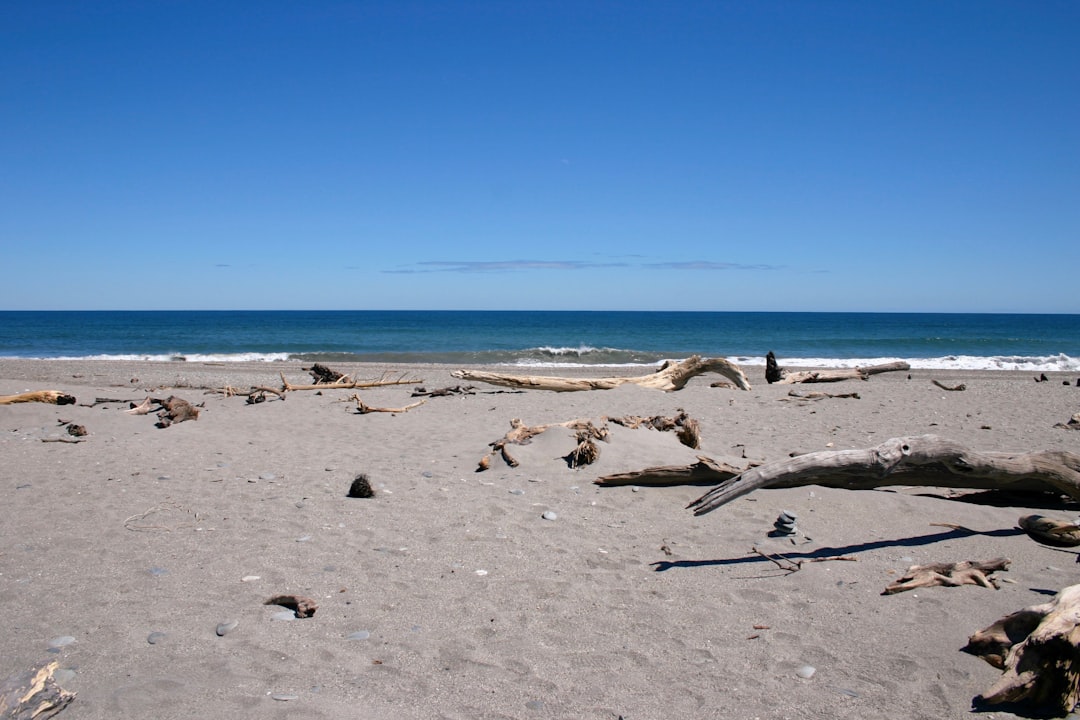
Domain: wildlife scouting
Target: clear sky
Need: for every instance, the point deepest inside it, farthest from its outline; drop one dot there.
(890, 156)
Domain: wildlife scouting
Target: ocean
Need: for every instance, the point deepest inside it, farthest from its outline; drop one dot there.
(549, 338)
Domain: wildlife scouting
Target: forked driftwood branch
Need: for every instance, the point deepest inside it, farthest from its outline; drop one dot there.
(671, 376)
(924, 460)
(968, 572)
(363, 408)
(1039, 650)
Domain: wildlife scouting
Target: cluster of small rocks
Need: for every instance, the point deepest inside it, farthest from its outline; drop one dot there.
(784, 526)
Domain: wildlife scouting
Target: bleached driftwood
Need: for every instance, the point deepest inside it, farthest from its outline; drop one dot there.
(349, 384)
(1039, 650)
(924, 460)
(53, 397)
(171, 410)
(522, 434)
(968, 572)
(856, 373)
(33, 694)
(363, 408)
(671, 376)
(705, 471)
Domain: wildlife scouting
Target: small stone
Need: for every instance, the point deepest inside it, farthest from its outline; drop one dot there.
(358, 635)
(157, 571)
(268, 476)
(535, 704)
(155, 637)
(517, 492)
(61, 641)
(63, 676)
(303, 538)
(226, 627)
(806, 672)
(285, 697)
(481, 573)
(284, 615)
(549, 515)
(427, 474)
(250, 578)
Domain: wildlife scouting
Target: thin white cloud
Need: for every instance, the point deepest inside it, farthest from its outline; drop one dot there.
(492, 266)
(709, 265)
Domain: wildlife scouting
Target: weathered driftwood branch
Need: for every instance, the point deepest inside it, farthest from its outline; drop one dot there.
(925, 460)
(856, 373)
(968, 572)
(705, 471)
(1037, 647)
(53, 397)
(522, 434)
(363, 408)
(33, 694)
(1049, 531)
(953, 388)
(820, 395)
(349, 384)
(671, 376)
(171, 410)
(685, 427)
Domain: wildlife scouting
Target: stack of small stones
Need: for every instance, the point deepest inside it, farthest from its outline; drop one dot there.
(784, 525)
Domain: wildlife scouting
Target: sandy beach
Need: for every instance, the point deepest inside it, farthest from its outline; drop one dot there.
(449, 594)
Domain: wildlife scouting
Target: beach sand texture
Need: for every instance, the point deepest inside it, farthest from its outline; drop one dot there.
(449, 595)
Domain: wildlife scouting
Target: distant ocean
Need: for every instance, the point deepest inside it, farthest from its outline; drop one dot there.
(548, 339)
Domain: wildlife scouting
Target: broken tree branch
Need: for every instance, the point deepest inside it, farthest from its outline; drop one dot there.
(670, 377)
(968, 572)
(924, 460)
(349, 385)
(705, 471)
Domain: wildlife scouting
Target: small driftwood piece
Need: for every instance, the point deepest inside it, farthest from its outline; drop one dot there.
(799, 395)
(325, 376)
(968, 572)
(1049, 531)
(286, 386)
(52, 397)
(363, 408)
(1073, 424)
(671, 376)
(924, 460)
(856, 373)
(1037, 647)
(955, 388)
(444, 392)
(587, 451)
(33, 694)
(790, 566)
(705, 471)
(254, 395)
(685, 427)
(303, 607)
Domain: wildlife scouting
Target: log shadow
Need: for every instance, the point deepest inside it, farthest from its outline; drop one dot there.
(917, 541)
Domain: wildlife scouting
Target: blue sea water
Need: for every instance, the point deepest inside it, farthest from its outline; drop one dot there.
(552, 339)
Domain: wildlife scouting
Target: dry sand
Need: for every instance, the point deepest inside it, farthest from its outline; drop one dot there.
(468, 603)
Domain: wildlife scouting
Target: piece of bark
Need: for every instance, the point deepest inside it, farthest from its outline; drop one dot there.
(1037, 647)
(968, 572)
(33, 694)
(856, 373)
(52, 397)
(176, 410)
(955, 388)
(924, 460)
(705, 471)
(670, 377)
(325, 376)
(1073, 424)
(304, 607)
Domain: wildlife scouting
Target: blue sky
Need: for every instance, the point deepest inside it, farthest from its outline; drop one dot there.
(887, 156)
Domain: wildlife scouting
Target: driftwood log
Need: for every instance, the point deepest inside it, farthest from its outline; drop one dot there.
(670, 376)
(924, 460)
(855, 373)
(53, 397)
(1039, 650)
(170, 411)
(33, 694)
(348, 384)
(705, 471)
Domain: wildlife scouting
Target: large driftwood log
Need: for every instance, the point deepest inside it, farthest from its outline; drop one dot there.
(33, 694)
(924, 460)
(856, 373)
(1039, 650)
(671, 376)
(54, 397)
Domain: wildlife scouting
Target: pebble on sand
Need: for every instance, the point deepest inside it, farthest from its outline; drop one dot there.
(226, 627)
(549, 515)
(155, 637)
(61, 641)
